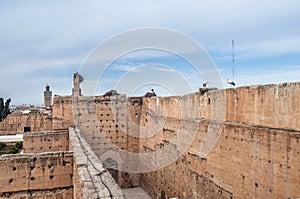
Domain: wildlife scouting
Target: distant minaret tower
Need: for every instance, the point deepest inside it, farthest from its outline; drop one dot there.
(47, 97)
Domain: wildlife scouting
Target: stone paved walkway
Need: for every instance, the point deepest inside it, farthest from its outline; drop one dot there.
(135, 193)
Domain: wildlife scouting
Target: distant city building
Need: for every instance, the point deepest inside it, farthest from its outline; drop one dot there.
(47, 97)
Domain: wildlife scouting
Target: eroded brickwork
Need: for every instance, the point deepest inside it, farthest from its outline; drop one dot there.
(62, 112)
(62, 193)
(26, 172)
(48, 141)
(91, 180)
(58, 174)
(256, 153)
(109, 124)
(15, 123)
(246, 162)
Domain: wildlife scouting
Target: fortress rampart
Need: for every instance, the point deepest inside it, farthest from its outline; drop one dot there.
(40, 173)
(38, 142)
(68, 169)
(256, 153)
(15, 123)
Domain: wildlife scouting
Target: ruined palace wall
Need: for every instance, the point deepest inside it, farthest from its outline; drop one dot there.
(246, 162)
(63, 193)
(15, 123)
(275, 105)
(254, 158)
(257, 154)
(108, 123)
(29, 172)
(38, 142)
(62, 112)
(91, 180)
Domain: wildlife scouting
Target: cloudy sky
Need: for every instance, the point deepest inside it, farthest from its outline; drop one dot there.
(45, 42)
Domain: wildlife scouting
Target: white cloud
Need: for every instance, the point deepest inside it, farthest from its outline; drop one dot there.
(51, 36)
(270, 77)
(270, 48)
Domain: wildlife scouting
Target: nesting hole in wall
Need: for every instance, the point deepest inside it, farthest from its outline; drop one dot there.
(65, 163)
(51, 177)
(10, 181)
(32, 178)
(14, 168)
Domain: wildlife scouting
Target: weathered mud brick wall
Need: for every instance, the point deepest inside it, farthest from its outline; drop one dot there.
(22, 174)
(274, 106)
(63, 193)
(257, 131)
(110, 125)
(38, 142)
(62, 112)
(15, 123)
(255, 156)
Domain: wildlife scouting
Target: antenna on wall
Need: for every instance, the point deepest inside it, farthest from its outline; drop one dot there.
(233, 60)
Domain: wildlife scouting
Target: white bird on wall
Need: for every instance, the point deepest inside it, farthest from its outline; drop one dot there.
(230, 82)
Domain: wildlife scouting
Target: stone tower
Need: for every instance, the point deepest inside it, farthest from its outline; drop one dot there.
(47, 97)
(77, 79)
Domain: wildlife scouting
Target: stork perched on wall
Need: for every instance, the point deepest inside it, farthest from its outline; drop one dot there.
(204, 84)
(230, 82)
(150, 94)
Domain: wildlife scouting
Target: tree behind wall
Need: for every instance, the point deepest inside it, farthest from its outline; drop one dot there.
(4, 108)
